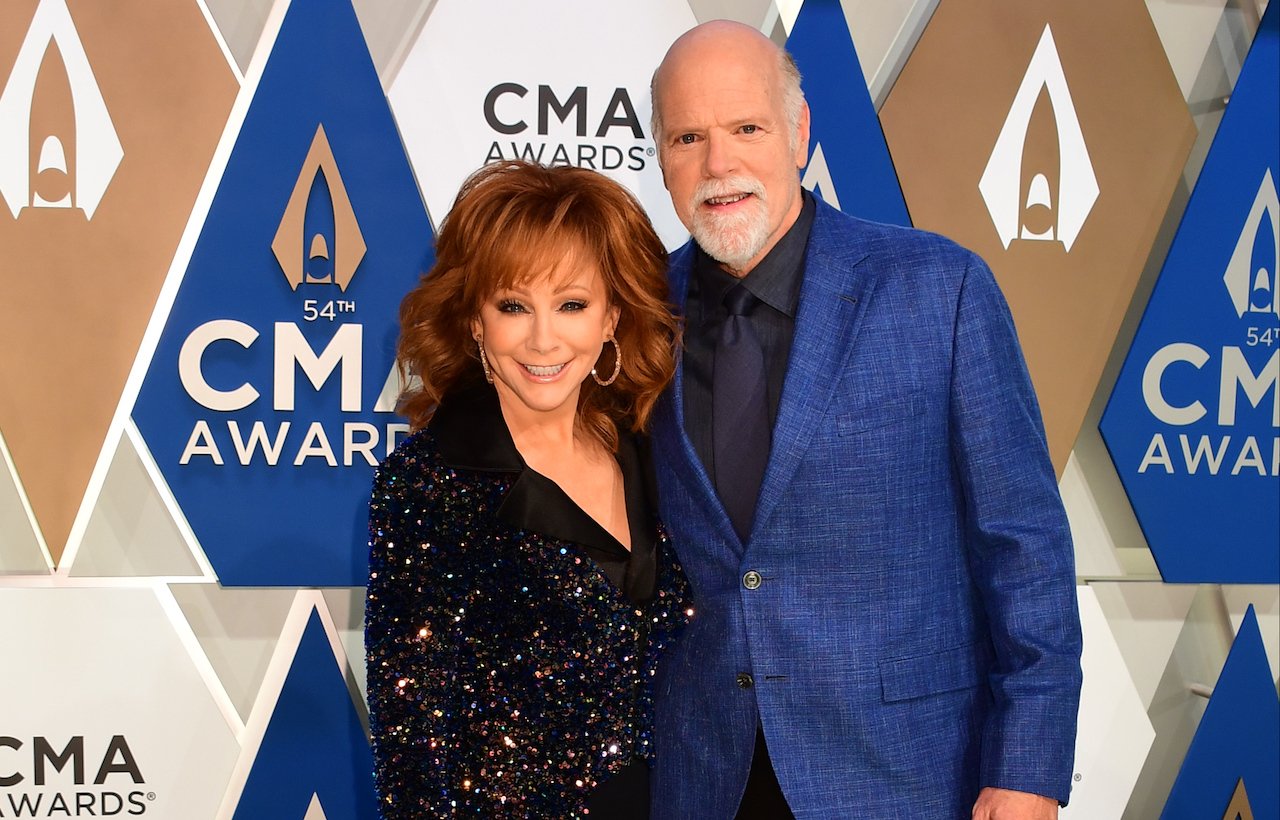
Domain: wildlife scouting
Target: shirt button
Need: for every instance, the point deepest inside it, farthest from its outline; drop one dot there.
(751, 580)
(745, 681)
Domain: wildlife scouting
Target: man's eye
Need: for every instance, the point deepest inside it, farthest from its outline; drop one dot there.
(574, 305)
(749, 129)
(510, 306)
(687, 139)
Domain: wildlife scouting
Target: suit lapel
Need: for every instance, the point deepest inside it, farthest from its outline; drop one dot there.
(669, 433)
(833, 298)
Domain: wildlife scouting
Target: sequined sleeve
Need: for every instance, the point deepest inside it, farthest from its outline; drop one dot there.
(412, 653)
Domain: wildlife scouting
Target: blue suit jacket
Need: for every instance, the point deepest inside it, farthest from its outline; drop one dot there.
(915, 636)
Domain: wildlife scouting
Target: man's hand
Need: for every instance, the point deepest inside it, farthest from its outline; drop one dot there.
(1006, 804)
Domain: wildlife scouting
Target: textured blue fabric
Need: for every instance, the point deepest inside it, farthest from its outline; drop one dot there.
(914, 636)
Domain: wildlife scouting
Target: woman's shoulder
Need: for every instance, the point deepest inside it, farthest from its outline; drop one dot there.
(425, 518)
(418, 447)
(410, 465)
(417, 491)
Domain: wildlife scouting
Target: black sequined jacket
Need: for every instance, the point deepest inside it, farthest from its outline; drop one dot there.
(507, 674)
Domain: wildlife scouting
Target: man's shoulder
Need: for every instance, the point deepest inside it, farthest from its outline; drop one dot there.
(683, 256)
(895, 245)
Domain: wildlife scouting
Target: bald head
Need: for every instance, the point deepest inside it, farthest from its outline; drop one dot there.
(720, 43)
(718, 40)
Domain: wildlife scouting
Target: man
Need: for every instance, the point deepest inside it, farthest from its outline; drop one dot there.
(854, 472)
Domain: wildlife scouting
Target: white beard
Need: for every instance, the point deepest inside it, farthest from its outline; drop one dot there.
(733, 239)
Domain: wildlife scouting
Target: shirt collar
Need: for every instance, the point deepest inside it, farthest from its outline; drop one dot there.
(471, 434)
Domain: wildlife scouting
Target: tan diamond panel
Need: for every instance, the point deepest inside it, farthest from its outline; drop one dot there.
(943, 120)
(78, 292)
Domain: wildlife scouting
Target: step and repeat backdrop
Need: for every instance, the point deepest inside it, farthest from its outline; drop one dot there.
(211, 209)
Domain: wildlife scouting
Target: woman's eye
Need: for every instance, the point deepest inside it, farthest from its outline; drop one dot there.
(510, 306)
(574, 305)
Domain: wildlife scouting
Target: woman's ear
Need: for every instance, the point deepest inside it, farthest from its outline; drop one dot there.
(477, 329)
(615, 313)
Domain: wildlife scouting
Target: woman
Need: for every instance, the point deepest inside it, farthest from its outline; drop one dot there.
(520, 587)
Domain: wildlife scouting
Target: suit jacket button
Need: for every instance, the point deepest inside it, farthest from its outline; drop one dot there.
(745, 681)
(751, 580)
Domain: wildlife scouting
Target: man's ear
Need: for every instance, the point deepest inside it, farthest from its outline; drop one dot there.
(802, 137)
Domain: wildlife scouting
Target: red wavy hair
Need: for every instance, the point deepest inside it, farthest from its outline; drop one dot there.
(511, 223)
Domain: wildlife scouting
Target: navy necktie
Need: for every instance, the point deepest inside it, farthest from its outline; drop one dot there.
(740, 412)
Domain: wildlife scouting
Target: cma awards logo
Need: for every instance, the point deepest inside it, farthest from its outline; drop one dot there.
(319, 247)
(525, 119)
(1039, 184)
(56, 777)
(63, 147)
(319, 208)
(1251, 277)
(1251, 285)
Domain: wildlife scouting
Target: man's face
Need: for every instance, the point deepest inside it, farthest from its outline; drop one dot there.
(728, 156)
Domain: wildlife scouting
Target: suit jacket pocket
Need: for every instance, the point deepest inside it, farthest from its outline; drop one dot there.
(959, 668)
(877, 414)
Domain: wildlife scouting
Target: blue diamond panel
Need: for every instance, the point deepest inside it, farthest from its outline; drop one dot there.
(258, 405)
(314, 744)
(843, 119)
(1193, 424)
(1238, 739)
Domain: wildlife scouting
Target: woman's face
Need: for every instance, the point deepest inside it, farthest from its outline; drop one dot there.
(542, 337)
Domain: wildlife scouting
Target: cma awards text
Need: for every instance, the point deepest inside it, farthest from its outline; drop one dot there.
(29, 767)
(1210, 452)
(507, 105)
(259, 441)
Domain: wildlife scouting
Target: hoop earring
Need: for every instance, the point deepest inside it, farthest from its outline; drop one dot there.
(484, 361)
(617, 365)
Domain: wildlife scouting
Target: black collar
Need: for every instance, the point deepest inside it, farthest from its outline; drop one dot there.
(471, 434)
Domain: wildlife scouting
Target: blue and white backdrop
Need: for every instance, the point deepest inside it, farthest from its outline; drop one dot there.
(211, 209)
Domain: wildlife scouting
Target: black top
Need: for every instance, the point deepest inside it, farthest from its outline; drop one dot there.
(473, 435)
(776, 283)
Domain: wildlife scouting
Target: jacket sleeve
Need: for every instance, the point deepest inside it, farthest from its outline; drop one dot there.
(1019, 548)
(412, 651)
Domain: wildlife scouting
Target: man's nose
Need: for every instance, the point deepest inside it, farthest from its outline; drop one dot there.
(721, 159)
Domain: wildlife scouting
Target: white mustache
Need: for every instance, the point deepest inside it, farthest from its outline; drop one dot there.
(711, 188)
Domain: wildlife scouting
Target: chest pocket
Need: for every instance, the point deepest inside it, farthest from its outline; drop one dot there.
(871, 416)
